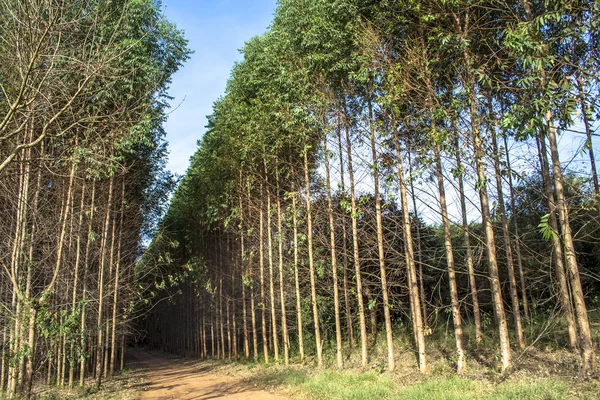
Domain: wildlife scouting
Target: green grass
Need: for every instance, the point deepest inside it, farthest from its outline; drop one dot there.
(342, 385)
(345, 385)
(547, 389)
(452, 388)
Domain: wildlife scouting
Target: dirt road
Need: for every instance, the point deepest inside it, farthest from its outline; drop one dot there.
(169, 378)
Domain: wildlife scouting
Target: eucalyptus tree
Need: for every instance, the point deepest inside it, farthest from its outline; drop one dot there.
(557, 51)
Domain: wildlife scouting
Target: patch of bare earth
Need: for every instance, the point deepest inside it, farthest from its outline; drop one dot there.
(172, 378)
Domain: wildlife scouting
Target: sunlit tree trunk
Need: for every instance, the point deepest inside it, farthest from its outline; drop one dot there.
(72, 361)
(380, 251)
(86, 263)
(296, 277)
(284, 330)
(456, 318)
(252, 307)
(419, 254)
(516, 229)
(467, 239)
(350, 327)
(583, 324)
(261, 260)
(516, 309)
(357, 270)
(245, 274)
(311, 262)
(100, 320)
(336, 295)
(557, 249)
(271, 278)
(410, 263)
(490, 242)
(113, 340)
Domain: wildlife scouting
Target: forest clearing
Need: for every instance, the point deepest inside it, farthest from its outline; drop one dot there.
(391, 199)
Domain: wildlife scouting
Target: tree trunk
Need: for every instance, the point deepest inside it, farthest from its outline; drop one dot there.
(583, 324)
(284, 330)
(311, 262)
(357, 271)
(467, 239)
(516, 229)
(410, 263)
(419, 259)
(244, 275)
(100, 320)
(380, 251)
(262, 279)
(271, 280)
(113, 340)
(296, 277)
(490, 243)
(86, 262)
(557, 253)
(506, 233)
(456, 318)
(336, 295)
(349, 323)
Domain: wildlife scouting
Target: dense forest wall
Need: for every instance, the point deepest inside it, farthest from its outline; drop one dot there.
(391, 170)
(82, 180)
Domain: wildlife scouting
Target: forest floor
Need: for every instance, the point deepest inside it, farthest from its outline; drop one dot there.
(538, 374)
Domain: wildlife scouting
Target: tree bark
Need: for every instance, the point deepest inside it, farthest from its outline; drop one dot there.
(380, 251)
(583, 324)
(357, 270)
(311, 262)
(336, 295)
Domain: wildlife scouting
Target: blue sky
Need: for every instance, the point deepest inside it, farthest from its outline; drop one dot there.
(216, 30)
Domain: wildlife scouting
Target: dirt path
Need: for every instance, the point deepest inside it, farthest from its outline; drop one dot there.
(169, 378)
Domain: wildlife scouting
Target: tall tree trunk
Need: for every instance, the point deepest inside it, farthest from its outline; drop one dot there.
(506, 231)
(490, 242)
(296, 277)
(349, 324)
(410, 263)
(262, 278)
(336, 295)
(456, 318)
(245, 274)
(357, 270)
(419, 259)
(271, 279)
(516, 229)
(583, 324)
(100, 320)
(113, 340)
(467, 239)
(82, 339)
(311, 261)
(557, 253)
(76, 279)
(284, 330)
(31, 329)
(380, 251)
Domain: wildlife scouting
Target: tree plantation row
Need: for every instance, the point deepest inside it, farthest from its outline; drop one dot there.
(83, 95)
(382, 171)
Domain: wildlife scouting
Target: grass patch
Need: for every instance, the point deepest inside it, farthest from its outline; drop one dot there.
(547, 389)
(354, 385)
(348, 385)
(452, 388)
